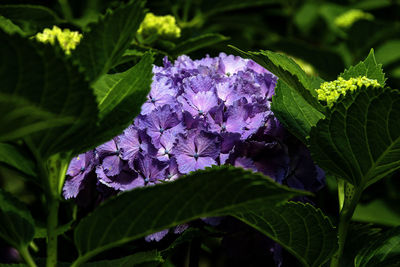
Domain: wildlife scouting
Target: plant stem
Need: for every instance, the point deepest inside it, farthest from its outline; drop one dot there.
(66, 9)
(52, 222)
(27, 257)
(350, 204)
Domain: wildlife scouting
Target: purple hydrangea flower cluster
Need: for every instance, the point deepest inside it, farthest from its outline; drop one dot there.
(199, 113)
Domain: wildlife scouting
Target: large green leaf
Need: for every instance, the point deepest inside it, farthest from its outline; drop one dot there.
(211, 192)
(368, 68)
(293, 111)
(120, 97)
(288, 71)
(16, 223)
(300, 228)
(132, 260)
(15, 157)
(196, 43)
(103, 46)
(383, 251)
(359, 140)
(41, 91)
(31, 18)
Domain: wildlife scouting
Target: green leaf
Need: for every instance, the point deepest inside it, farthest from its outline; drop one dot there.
(215, 191)
(16, 223)
(41, 90)
(9, 27)
(300, 228)
(293, 111)
(377, 211)
(306, 16)
(120, 97)
(31, 18)
(288, 71)
(185, 237)
(359, 236)
(359, 140)
(197, 43)
(15, 157)
(389, 52)
(371, 4)
(368, 68)
(230, 5)
(103, 46)
(384, 251)
(132, 260)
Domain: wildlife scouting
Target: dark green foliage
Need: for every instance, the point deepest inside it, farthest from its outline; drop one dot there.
(16, 223)
(300, 228)
(31, 18)
(383, 251)
(13, 156)
(213, 192)
(294, 112)
(152, 256)
(105, 43)
(52, 103)
(196, 43)
(368, 68)
(360, 138)
(41, 91)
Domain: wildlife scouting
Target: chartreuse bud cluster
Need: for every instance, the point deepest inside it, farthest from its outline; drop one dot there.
(67, 39)
(348, 18)
(329, 92)
(164, 26)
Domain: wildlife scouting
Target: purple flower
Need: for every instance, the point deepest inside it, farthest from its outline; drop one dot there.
(109, 154)
(200, 113)
(167, 143)
(161, 93)
(133, 142)
(160, 121)
(79, 168)
(196, 151)
(151, 170)
(198, 104)
(126, 180)
(230, 65)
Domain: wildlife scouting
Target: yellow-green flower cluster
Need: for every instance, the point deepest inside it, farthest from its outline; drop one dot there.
(347, 19)
(164, 26)
(67, 39)
(329, 92)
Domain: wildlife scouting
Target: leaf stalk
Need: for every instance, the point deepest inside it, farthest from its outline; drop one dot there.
(346, 213)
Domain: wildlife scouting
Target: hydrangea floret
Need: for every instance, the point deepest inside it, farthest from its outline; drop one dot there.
(164, 26)
(67, 39)
(348, 18)
(330, 92)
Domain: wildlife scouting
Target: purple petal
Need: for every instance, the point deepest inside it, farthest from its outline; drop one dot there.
(156, 236)
(229, 65)
(203, 162)
(186, 163)
(207, 145)
(179, 229)
(112, 165)
(108, 148)
(72, 186)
